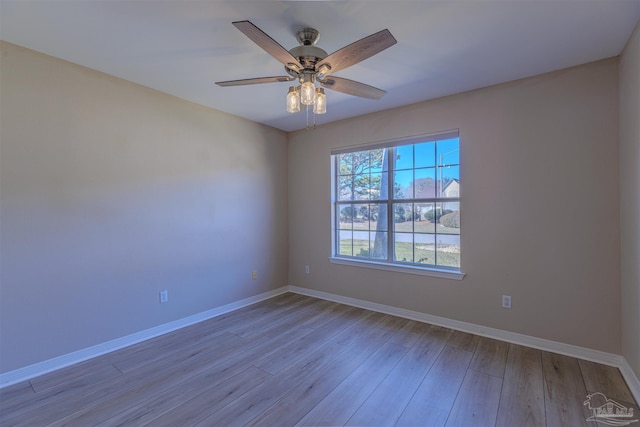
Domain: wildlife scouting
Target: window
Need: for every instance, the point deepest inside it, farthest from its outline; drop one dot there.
(398, 203)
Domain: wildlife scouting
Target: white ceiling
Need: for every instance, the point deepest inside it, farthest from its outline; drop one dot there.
(444, 47)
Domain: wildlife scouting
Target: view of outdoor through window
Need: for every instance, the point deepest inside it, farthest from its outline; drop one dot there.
(400, 204)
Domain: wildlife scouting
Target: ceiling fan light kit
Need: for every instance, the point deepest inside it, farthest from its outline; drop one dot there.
(311, 65)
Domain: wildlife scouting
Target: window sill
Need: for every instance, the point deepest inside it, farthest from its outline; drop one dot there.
(409, 269)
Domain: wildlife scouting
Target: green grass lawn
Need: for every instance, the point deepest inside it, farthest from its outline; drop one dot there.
(424, 254)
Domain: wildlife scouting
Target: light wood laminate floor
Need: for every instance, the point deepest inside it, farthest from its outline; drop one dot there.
(295, 360)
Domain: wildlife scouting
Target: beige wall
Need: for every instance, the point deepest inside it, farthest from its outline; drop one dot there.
(540, 207)
(630, 198)
(111, 192)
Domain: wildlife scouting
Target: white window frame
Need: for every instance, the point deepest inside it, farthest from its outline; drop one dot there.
(454, 273)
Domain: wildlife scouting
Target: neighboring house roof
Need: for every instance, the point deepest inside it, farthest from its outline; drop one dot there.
(456, 180)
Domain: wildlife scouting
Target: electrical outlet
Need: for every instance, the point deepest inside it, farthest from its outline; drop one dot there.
(307, 270)
(254, 275)
(164, 296)
(506, 301)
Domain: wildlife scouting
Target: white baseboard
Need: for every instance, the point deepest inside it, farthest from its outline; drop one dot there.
(618, 361)
(597, 356)
(631, 378)
(40, 368)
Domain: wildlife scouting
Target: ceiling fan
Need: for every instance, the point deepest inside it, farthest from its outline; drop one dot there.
(308, 64)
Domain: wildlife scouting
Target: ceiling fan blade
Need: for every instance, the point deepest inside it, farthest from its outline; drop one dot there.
(271, 46)
(352, 87)
(255, 81)
(358, 51)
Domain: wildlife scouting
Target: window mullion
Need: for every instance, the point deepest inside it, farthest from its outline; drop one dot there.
(391, 152)
(437, 203)
(336, 196)
(413, 205)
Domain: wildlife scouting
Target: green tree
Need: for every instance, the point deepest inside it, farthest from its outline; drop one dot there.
(348, 212)
(360, 176)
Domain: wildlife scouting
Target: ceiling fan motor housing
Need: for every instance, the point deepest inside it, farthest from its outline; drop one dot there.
(308, 54)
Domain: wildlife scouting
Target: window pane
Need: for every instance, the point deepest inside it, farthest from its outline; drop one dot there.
(425, 154)
(432, 213)
(361, 162)
(345, 215)
(450, 219)
(378, 242)
(403, 185)
(424, 218)
(403, 217)
(361, 186)
(425, 183)
(404, 157)
(425, 248)
(361, 217)
(448, 248)
(403, 247)
(378, 217)
(448, 151)
(379, 184)
(346, 242)
(345, 164)
(414, 215)
(361, 243)
(345, 184)
(450, 181)
(376, 157)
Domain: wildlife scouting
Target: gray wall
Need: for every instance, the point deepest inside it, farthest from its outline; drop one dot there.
(540, 207)
(111, 192)
(630, 198)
